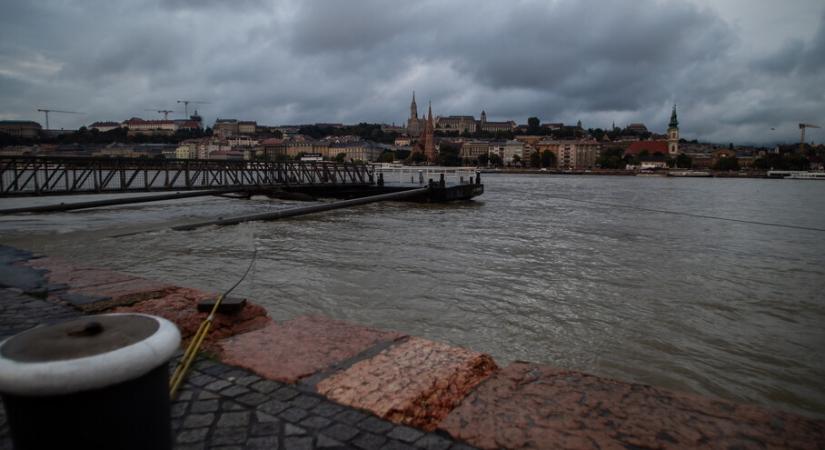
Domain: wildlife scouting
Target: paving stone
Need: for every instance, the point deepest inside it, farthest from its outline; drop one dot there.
(292, 430)
(228, 436)
(341, 432)
(405, 434)
(433, 442)
(265, 428)
(417, 382)
(264, 417)
(305, 401)
(203, 406)
(252, 399)
(350, 417)
(375, 425)
(247, 380)
(226, 447)
(293, 414)
(262, 443)
(315, 422)
(327, 409)
(273, 407)
(322, 441)
(525, 404)
(285, 393)
(234, 391)
(234, 419)
(265, 386)
(198, 446)
(300, 347)
(216, 386)
(369, 441)
(298, 443)
(397, 445)
(198, 420)
(206, 395)
(201, 380)
(178, 410)
(192, 436)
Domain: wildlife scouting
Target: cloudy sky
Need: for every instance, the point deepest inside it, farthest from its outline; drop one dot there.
(740, 70)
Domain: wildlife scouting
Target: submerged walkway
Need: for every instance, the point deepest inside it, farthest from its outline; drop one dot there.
(314, 382)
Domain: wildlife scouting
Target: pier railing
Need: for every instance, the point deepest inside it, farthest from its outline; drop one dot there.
(421, 175)
(22, 175)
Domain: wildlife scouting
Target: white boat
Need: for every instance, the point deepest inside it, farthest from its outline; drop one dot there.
(796, 175)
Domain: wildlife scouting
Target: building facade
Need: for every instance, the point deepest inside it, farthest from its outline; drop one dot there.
(20, 128)
(572, 154)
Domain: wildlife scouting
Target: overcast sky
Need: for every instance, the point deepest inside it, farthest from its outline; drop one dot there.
(736, 68)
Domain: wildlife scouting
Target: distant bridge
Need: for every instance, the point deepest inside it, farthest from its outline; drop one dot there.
(33, 175)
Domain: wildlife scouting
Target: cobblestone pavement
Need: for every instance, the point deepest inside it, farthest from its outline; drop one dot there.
(223, 407)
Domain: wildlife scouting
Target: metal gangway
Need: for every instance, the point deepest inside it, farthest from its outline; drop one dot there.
(49, 175)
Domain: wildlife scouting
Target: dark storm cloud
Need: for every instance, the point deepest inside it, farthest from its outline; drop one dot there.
(349, 61)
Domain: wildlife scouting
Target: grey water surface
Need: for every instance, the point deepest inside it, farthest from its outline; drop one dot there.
(731, 309)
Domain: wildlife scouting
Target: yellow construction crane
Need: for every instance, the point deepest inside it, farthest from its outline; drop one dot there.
(47, 111)
(802, 127)
(186, 105)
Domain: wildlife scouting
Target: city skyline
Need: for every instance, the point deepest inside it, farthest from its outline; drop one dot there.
(740, 74)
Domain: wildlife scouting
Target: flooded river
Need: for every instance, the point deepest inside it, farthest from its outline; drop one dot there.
(731, 309)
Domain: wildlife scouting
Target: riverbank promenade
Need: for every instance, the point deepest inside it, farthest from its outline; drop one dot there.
(314, 382)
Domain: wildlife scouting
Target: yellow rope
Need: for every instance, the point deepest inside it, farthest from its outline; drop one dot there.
(192, 350)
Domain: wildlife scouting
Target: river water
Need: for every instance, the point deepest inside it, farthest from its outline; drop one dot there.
(730, 309)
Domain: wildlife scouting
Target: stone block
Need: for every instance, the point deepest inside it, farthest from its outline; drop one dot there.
(417, 382)
(528, 405)
(298, 348)
(179, 305)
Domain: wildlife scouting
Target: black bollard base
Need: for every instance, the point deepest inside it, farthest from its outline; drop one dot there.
(131, 415)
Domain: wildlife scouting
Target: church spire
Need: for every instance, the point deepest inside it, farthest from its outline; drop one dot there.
(674, 122)
(413, 108)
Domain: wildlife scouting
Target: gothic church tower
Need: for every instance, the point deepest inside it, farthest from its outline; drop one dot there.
(673, 135)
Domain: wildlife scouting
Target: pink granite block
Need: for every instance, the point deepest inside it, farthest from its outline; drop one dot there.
(300, 347)
(532, 406)
(417, 382)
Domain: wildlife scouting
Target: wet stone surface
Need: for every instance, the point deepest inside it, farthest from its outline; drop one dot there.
(19, 312)
(226, 407)
(305, 346)
(529, 405)
(416, 382)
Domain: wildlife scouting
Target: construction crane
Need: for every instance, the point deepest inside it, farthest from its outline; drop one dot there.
(47, 111)
(802, 127)
(186, 105)
(165, 112)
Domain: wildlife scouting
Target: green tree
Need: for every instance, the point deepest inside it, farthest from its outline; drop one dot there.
(483, 159)
(495, 160)
(548, 159)
(611, 158)
(533, 124)
(341, 157)
(684, 161)
(516, 159)
(386, 157)
(449, 154)
(535, 159)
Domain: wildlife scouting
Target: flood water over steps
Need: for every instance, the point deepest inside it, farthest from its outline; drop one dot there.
(729, 309)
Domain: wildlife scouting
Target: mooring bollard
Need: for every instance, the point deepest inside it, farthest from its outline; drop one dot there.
(97, 382)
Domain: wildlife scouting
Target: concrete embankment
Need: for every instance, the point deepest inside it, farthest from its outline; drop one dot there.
(409, 381)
